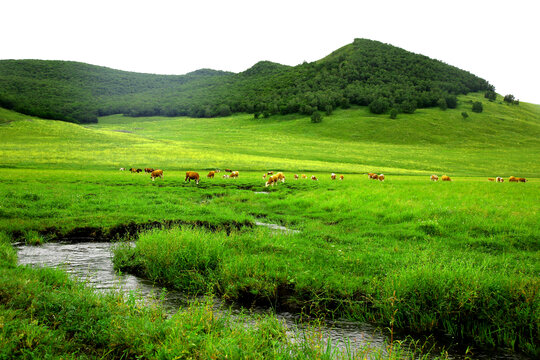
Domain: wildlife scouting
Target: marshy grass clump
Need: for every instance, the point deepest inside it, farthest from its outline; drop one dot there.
(32, 237)
(45, 314)
(465, 295)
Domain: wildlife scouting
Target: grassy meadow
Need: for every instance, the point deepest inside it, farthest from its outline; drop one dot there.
(459, 257)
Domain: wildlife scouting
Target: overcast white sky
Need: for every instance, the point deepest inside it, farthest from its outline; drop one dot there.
(496, 40)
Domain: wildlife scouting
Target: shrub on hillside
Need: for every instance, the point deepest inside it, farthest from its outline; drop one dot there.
(442, 104)
(509, 98)
(224, 110)
(316, 117)
(328, 110)
(408, 106)
(451, 101)
(465, 115)
(379, 106)
(490, 95)
(393, 113)
(477, 107)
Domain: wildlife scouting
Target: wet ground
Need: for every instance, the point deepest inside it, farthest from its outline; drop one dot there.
(91, 262)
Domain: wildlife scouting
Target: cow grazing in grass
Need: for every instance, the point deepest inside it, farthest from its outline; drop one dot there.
(499, 179)
(295, 176)
(228, 170)
(156, 173)
(314, 178)
(275, 178)
(434, 178)
(192, 175)
(491, 179)
(225, 176)
(522, 180)
(270, 173)
(148, 170)
(304, 176)
(373, 176)
(139, 171)
(272, 180)
(234, 174)
(381, 177)
(211, 174)
(264, 176)
(341, 177)
(333, 176)
(513, 179)
(446, 178)
(133, 170)
(122, 169)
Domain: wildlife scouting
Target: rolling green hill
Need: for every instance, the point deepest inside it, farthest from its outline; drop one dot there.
(503, 140)
(357, 74)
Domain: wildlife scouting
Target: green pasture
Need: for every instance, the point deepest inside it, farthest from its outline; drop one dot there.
(458, 257)
(501, 141)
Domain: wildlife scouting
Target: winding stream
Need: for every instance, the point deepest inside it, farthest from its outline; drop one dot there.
(92, 262)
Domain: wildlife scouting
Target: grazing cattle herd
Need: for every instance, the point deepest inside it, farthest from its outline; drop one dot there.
(274, 179)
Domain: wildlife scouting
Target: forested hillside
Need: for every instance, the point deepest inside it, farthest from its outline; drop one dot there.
(365, 72)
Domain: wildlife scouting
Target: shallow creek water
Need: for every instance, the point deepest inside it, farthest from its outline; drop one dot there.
(92, 262)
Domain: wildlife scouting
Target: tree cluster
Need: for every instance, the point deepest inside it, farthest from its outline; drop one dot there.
(366, 73)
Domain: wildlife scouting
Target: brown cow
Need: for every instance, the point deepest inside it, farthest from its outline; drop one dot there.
(148, 170)
(270, 173)
(446, 178)
(234, 174)
(314, 178)
(333, 176)
(296, 176)
(341, 177)
(374, 176)
(133, 170)
(434, 178)
(491, 179)
(156, 173)
(499, 179)
(192, 175)
(304, 176)
(228, 170)
(522, 180)
(264, 176)
(513, 179)
(139, 170)
(272, 180)
(381, 177)
(280, 176)
(211, 174)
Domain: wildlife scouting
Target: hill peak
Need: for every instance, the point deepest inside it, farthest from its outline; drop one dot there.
(265, 67)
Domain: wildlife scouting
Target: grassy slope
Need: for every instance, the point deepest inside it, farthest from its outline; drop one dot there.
(501, 141)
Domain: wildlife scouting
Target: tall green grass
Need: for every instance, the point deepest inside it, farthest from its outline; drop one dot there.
(45, 314)
(465, 295)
